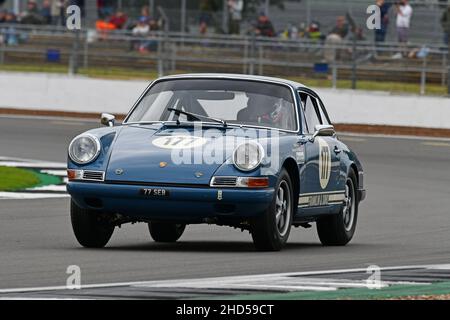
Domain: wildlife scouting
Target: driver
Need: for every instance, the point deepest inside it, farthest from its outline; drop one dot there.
(262, 109)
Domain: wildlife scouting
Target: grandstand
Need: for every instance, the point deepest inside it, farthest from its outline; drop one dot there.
(56, 48)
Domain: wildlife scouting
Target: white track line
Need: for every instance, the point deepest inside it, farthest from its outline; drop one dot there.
(389, 136)
(52, 118)
(49, 188)
(59, 173)
(221, 279)
(54, 165)
(30, 196)
(44, 192)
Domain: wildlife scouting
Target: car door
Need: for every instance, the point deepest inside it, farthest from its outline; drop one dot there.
(320, 174)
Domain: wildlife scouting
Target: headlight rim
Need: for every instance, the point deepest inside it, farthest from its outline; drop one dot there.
(261, 152)
(97, 143)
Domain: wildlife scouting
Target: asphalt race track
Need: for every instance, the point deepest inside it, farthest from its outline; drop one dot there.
(405, 220)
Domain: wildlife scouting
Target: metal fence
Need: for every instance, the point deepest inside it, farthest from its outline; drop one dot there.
(425, 24)
(332, 63)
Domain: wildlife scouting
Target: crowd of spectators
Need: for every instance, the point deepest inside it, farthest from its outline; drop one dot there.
(141, 27)
(45, 12)
(50, 12)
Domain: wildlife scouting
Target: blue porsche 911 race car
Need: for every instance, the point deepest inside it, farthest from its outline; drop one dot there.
(254, 153)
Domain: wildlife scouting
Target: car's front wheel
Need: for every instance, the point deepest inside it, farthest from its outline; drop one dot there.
(166, 232)
(90, 230)
(270, 232)
(338, 230)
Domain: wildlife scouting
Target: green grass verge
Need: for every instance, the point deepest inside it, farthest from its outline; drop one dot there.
(12, 179)
(15, 179)
(47, 179)
(394, 87)
(395, 291)
(103, 73)
(150, 74)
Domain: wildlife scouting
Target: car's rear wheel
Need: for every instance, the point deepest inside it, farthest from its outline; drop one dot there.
(338, 230)
(90, 230)
(270, 232)
(166, 232)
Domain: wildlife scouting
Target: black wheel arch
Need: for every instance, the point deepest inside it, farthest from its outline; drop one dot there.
(291, 167)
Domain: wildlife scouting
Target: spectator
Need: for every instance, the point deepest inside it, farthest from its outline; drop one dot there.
(404, 14)
(334, 39)
(203, 29)
(341, 28)
(142, 29)
(235, 8)
(10, 36)
(119, 20)
(380, 34)
(58, 12)
(31, 14)
(105, 8)
(206, 7)
(264, 26)
(445, 23)
(313, 32)
(46, 12)
(3, 14)
(10, 18)
(145, 14)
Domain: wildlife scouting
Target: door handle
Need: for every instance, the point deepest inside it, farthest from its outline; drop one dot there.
(337, 150)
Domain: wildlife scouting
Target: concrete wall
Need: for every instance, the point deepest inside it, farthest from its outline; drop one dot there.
(63, 93)
(380, 108)
(78, 94)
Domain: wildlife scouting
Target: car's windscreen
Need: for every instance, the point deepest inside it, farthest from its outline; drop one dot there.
(235, 101)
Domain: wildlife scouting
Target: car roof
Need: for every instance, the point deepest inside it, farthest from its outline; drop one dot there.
(294, 84)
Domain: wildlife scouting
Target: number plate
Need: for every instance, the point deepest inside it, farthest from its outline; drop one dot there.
(155, 193)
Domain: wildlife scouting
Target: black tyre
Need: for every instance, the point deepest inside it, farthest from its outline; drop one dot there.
(89, 229)
(270, 232)
(166, 232)
(338, 230)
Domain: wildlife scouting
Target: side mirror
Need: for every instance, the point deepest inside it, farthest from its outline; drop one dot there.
(323, 131)
(108, 120)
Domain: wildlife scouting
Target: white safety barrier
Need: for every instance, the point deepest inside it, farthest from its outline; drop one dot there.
(79, 94)
(64, 93)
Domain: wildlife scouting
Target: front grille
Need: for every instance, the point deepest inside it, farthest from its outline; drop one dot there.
(93, 175)
(224, 182)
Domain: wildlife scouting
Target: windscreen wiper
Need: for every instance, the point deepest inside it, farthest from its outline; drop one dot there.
(196, 117)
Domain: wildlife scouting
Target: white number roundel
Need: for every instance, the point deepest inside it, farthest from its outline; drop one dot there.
(179, 142)
(324, 163)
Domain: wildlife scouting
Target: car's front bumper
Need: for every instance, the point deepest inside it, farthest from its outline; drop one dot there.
(184, 202)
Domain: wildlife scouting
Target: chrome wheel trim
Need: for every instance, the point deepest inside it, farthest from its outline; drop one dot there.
(283, 208)
(348, 211)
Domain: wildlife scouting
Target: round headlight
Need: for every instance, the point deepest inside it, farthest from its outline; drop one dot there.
(248, 156)
(84, 149)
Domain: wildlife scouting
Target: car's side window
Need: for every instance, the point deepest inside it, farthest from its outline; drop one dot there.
(321, 109)
(312, 118)
(302, 114)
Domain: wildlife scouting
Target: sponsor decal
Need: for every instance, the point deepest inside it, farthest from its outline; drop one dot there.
(324, 163)
(179, 142)
(319, 200)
